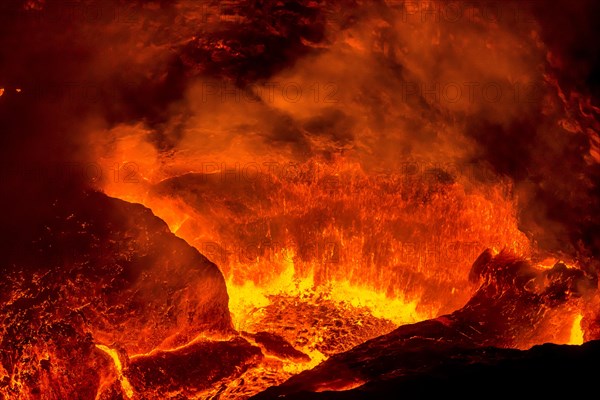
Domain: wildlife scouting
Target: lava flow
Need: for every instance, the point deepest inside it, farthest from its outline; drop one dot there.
(276, 199)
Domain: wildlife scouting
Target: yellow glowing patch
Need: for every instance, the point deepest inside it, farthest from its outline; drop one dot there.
(127, 388)
(576, 331)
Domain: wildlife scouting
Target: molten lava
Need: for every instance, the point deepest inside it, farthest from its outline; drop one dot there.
(282, 198)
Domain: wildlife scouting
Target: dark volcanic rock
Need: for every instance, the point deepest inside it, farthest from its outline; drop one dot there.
(277, 346)
(245, 41)
(191, 369)
(541, 372)
(98, 270)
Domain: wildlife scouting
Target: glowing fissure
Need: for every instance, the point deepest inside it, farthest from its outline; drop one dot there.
(114, 355)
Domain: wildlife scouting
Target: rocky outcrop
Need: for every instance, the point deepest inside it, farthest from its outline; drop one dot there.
(515, 306)
(100, 271)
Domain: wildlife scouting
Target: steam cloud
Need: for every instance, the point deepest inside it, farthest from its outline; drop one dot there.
(509, 86)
